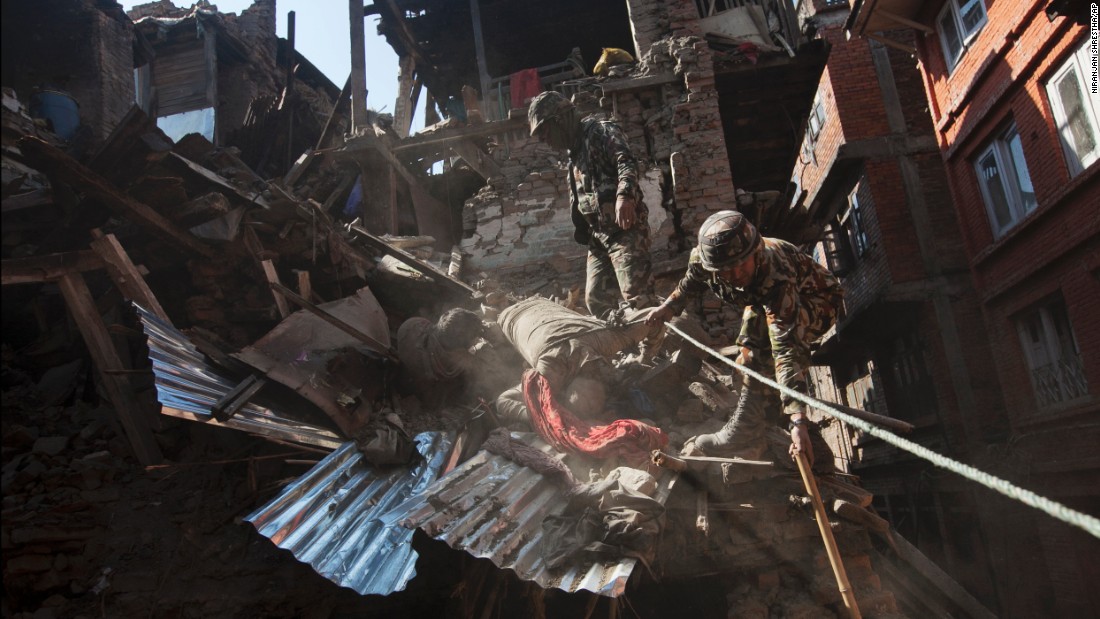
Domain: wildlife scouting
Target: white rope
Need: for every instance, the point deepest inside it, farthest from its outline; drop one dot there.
(1091, 524)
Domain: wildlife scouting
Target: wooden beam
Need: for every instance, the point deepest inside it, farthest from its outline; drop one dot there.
(30, 199)
(333, 320)
(404, 108)
(49, 267)
(273, 278)
(479, 160)
(253, 197)
(905, 21)
(415, 144)
(305, 286)
(412, 261)
(134, 422)
(479, 47)
(125, 274)
(891, 43)
(53, 161)
(358, 67)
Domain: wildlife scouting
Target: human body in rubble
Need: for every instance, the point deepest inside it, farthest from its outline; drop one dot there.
(436, 355)
(790, 301)
(606, 203)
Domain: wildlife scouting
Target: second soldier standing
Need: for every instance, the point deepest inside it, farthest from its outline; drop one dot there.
(606, 203)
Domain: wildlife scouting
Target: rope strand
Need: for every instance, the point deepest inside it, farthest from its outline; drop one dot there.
(1090, 524)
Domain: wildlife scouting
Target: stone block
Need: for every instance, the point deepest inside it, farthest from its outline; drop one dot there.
(51, 445)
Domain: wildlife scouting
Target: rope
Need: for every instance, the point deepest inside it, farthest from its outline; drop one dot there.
(1090, 524)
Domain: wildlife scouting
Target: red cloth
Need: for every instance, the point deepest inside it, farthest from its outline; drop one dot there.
(525, 84)
(627, 438)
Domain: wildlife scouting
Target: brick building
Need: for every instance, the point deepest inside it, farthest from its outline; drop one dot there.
(1011, 94)
(911, 344)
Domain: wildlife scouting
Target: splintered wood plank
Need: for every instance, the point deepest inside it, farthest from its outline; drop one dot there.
(273, 278)
(125, 274)
(52, 160)
(48, 267)
(134, 420)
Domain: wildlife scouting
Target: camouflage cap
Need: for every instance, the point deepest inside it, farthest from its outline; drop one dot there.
(725, 239)
(545, 106)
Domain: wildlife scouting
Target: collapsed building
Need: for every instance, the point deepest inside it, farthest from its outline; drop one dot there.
(239, 243)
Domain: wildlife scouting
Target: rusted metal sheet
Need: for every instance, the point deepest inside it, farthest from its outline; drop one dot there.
(188, 387)
(493, 508)
(330, 517)
(332, 369)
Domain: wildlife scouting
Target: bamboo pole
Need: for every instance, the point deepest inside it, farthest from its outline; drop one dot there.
(827, 536)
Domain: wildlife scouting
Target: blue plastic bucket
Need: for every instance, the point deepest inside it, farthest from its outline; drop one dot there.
(60, 109)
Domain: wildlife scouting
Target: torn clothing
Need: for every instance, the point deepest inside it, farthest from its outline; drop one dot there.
(628, 439)
(790, 303)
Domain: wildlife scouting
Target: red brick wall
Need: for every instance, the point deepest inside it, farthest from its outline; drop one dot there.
(1052, 251)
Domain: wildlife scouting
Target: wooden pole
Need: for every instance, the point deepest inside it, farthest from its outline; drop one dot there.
(358, 66)
(134, 420)
(827, 536)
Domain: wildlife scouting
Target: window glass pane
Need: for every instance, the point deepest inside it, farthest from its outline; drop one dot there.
(949, 36)
(973, 15)
(1075, 127)
(990, 177)
(1023, 179)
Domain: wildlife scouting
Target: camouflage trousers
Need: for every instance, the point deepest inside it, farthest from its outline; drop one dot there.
(619, 270)
(786, 349)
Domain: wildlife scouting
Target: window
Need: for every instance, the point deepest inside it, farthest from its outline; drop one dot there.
(817, 118)
(1076, 108)
(1052, 355)
(957, 24)
(1004, 180)
(853, 220)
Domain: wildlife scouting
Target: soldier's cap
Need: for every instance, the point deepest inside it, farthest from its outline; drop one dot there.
(545, 106)
(725, 239)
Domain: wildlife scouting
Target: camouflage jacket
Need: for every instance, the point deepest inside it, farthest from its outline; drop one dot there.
(603, 168)
(794, 300)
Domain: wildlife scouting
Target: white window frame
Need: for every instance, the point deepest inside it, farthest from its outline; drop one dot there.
(1076, 67)
(857, 232)
(1011, 184)
(1052, 354)
(818, 118)
(955, 12)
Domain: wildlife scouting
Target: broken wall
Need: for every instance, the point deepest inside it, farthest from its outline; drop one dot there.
(518, 227)
(76, 47)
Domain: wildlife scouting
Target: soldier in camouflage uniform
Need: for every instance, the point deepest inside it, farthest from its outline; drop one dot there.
(790, 301)
(606, 203)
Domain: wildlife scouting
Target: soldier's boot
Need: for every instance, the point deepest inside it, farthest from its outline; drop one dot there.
(743, 435)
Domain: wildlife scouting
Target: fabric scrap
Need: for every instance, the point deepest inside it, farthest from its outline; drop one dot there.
(629, 439)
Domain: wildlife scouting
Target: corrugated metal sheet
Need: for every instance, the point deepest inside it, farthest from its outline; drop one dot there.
(493, 508)
(329, 518)
(188, 387)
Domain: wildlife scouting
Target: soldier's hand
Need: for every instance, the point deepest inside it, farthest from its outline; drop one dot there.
(659, 316)
(745, 358)
(800, 443)
(624, 212)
